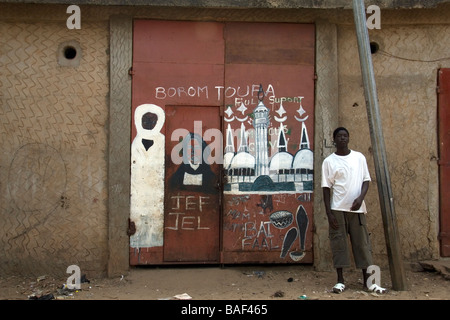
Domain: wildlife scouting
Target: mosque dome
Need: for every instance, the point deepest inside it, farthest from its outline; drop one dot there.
(304, 159)
(242, 160)
(281, 161)
(227, 159)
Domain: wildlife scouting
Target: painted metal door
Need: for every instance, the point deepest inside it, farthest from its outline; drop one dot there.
(192, 206)
(261, 78)
(268, 157)
(444, 159)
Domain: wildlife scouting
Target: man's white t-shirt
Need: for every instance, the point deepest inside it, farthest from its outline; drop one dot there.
(344, 175)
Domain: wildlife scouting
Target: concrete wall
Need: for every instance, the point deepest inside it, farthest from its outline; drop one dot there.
(290, 4)
(76, 120)
(54, 122)
(406, 69)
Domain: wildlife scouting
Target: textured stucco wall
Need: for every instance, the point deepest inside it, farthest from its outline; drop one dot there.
(406, 71)
(53, 130)
(290, 4)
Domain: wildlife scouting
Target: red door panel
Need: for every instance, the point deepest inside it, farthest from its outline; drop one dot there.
(267, 206)
(176, 65)
(270, 43)
(178, 42)
(192, 210)
(444, 159)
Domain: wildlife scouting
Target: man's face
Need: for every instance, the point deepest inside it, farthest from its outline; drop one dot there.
(341, 139)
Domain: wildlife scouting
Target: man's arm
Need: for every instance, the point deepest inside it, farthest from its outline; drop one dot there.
(327, 201)
(358, 201)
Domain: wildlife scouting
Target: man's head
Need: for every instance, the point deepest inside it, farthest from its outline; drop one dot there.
(341, 138)
(336, 131)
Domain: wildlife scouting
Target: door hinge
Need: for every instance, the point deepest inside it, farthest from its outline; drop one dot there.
(131, 71)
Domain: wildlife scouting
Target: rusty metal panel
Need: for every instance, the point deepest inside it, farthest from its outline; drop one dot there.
(184, 84)
(177, 63)
(176, 66)
(270, 43)
(192, 205)
(268, 140)
(444, 159)
(178, 42)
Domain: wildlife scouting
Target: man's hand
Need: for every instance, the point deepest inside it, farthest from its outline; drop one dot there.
(358, 201)
(356, 204)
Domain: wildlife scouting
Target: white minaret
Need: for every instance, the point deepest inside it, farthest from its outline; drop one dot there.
(261, 122)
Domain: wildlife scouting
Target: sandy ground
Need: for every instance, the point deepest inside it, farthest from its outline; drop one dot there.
(255, 282)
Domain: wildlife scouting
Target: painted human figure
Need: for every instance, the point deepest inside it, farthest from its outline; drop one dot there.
(194, 173)
(147, 177)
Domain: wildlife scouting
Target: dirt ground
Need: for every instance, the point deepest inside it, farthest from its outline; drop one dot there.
(250, 282)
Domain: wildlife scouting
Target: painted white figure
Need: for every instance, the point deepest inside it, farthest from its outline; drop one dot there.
(147, 177)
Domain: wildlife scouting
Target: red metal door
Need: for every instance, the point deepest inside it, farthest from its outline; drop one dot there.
(183, 73)
(444, 159)
(192, 206)
(268, 160)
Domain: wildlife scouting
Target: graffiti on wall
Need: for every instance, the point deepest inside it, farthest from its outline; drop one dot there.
(147, 177)
(37, 178)
(268, 165)
(266, 156)
(194, 172)
(261, 162)
(267, 229)
(186, 212)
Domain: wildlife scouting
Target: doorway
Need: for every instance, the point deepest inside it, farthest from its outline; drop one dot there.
(249, 198)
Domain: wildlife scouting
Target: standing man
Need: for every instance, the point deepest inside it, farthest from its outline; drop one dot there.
(345, 181)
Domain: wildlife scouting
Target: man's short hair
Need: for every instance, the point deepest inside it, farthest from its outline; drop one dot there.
(339, 129)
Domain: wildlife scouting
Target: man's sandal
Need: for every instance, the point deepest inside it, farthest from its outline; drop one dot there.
(339, 287)
(377, 289)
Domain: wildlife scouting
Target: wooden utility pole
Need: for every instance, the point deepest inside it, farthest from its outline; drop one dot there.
(376, 133)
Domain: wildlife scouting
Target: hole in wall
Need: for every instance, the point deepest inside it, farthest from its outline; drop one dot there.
(374, 47)
(69, 54)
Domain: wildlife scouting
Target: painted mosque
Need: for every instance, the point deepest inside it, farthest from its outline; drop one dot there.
(259, 173)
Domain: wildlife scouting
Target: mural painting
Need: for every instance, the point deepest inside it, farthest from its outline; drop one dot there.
(261, 174)
(194, 173)
(192, 205)
(147, 177)
(254, 170)
(254, 93)
(268, 169)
